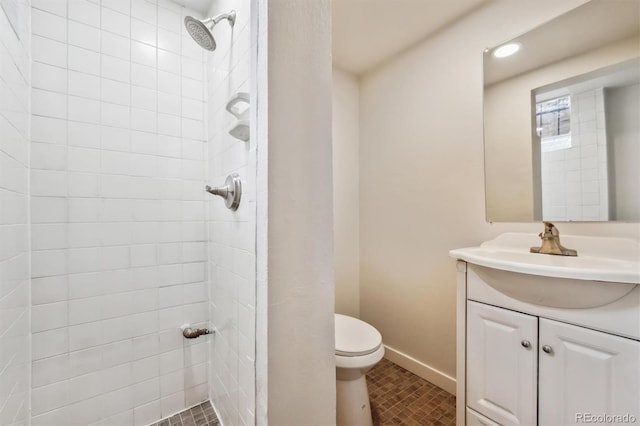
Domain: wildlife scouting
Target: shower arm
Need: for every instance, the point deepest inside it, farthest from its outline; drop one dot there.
(231, 16)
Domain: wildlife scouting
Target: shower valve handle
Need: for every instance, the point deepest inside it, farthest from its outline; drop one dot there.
(194, 333)
(231, 191)
(222, 191)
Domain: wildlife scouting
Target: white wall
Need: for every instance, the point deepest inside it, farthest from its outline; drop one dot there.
(295, 277)
(623, 133)
(231, 234)
(14, 213)
(346, 199)
(118, 212)
(422, 183)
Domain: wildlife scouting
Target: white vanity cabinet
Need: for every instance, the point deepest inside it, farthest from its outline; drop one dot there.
(520, 364)
(583, 371)
(501, 364)
(548, 340)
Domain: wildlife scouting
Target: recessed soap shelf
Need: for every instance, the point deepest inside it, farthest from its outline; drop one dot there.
(235, 105)
(239, 107)
(241, 130)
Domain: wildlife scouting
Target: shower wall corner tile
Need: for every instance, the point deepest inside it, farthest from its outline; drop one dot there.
(15, 81)
(231, 236)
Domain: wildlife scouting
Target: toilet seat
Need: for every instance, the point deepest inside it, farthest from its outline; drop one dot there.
(355, 337)
(361, 361)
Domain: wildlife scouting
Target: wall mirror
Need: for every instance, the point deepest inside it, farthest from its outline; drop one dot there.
(562, 119)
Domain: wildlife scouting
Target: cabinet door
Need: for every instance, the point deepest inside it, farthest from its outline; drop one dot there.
(475, 419)
(585, 372)
(501, 364)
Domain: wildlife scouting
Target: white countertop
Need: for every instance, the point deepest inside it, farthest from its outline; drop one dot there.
(599, 258)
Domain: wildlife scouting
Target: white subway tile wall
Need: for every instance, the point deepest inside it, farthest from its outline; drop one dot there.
(231, 234)
(14, 229)
(575, 184)
(119, 238)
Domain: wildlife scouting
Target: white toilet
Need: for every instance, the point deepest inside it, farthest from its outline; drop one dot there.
(358, 348)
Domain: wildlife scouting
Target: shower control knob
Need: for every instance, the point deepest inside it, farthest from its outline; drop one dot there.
(547, 349)
(526, 344)
(231, 191)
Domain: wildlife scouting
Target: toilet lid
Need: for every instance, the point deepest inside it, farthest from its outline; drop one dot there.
(355, 337)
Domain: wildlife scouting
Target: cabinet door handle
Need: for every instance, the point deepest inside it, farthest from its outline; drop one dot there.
(526, 344)
(547, 349)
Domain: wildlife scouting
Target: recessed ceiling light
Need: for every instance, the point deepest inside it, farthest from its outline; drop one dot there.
(506, 50)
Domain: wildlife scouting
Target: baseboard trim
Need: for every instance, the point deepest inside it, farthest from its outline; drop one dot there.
(421, 369)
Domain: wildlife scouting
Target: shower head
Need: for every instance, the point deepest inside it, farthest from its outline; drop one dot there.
(200, 30)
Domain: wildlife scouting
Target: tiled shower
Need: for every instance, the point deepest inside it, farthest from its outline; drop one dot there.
(575, 179)
(113, 121)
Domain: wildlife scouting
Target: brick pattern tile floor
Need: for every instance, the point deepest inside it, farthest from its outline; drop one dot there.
(200, 415)
(399, 397)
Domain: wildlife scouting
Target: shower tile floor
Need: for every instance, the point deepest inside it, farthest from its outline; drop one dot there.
(399, 397)
(200, 415)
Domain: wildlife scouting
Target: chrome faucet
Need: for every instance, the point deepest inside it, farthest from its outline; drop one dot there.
(551, 242)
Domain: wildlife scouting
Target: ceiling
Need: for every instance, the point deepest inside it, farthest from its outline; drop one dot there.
(583, 29)
(368, 32)
(615, 76)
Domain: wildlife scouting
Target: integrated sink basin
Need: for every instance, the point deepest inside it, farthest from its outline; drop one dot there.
(605, 269)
